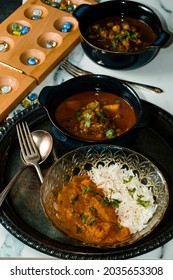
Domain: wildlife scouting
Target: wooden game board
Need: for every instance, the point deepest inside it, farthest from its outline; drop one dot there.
(14, 69)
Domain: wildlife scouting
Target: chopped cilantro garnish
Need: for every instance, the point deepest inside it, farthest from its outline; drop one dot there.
(87, 123)
(131, 191)
(87, 190)
(115, 203)
(87, 120)
(93, 209)
(110, 133)
(78, 114)
(102, 117)
(84, 218)
(128, 180)
(93, 105)
(91, 221)
(144, 203)
(74, 199)
(117, 101)
(112, 202)
(78, 229)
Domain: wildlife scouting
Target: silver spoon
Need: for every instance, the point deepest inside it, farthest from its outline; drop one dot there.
(44, 143)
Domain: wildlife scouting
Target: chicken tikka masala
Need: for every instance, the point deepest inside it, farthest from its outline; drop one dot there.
(88, 215)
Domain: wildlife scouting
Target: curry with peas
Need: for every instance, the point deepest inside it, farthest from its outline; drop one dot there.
(95, 115)
(120, 34)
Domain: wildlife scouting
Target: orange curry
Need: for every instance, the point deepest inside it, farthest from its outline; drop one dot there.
(95, 116)
(88, 215)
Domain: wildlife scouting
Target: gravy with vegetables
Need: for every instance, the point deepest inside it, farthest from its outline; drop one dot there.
(87, 215)
(120, 34)
(95, 116)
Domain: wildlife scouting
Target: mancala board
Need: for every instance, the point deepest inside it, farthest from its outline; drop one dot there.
(29, 57)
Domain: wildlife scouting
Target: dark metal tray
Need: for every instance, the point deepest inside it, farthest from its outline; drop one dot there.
(22, 215)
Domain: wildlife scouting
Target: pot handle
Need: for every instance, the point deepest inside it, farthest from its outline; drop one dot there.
(43, 96)
(146, 118)
(161, 40)
(79, 12)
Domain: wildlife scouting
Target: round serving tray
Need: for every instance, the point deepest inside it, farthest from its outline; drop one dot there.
(22, 215)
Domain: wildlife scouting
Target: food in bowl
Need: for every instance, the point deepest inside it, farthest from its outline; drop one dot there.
(104, 195)
(123, 54)
(95, 115)
(132, 200)
(64, 101)
(120, 34)
(86, 214)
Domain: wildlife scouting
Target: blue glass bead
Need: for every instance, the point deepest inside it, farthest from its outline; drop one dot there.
(64, 30)
(24, 30)
(32, 97)
(66, 26)
(32, 61)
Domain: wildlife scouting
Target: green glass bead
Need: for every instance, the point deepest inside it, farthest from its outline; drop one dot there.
(16, 26)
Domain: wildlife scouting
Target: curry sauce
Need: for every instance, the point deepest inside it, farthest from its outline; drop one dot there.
(120, 34)
(95, 115)
(87, 215)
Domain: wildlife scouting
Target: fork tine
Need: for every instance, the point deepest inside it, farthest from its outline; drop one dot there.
(21, 139)
(28, 148)
(65, 65)
(73, 69)
(25, 139)
(29, 138)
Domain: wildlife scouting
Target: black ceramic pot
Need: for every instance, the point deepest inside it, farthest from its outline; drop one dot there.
(89, 14)
(51, 96)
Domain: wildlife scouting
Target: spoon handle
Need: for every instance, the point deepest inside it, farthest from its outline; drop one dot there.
(37, 167)
(144, 86)
(4, 193)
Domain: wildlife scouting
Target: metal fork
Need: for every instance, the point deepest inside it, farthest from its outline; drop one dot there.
(28, 148)
(76, 71)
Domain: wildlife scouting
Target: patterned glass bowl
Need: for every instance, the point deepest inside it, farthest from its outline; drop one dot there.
(81, 160)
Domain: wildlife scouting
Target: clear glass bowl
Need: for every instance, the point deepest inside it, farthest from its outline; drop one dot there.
(81, 160)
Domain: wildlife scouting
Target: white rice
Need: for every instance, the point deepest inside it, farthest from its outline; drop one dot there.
(130, 213)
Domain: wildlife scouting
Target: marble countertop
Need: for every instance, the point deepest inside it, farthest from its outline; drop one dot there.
(158, 72)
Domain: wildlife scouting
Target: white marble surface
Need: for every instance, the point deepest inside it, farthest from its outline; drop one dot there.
(158, 72)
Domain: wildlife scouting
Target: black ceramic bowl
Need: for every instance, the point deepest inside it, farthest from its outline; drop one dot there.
(89, 14)
(52, 96)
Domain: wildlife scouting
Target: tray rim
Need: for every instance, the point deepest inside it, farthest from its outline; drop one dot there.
(39, 243)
